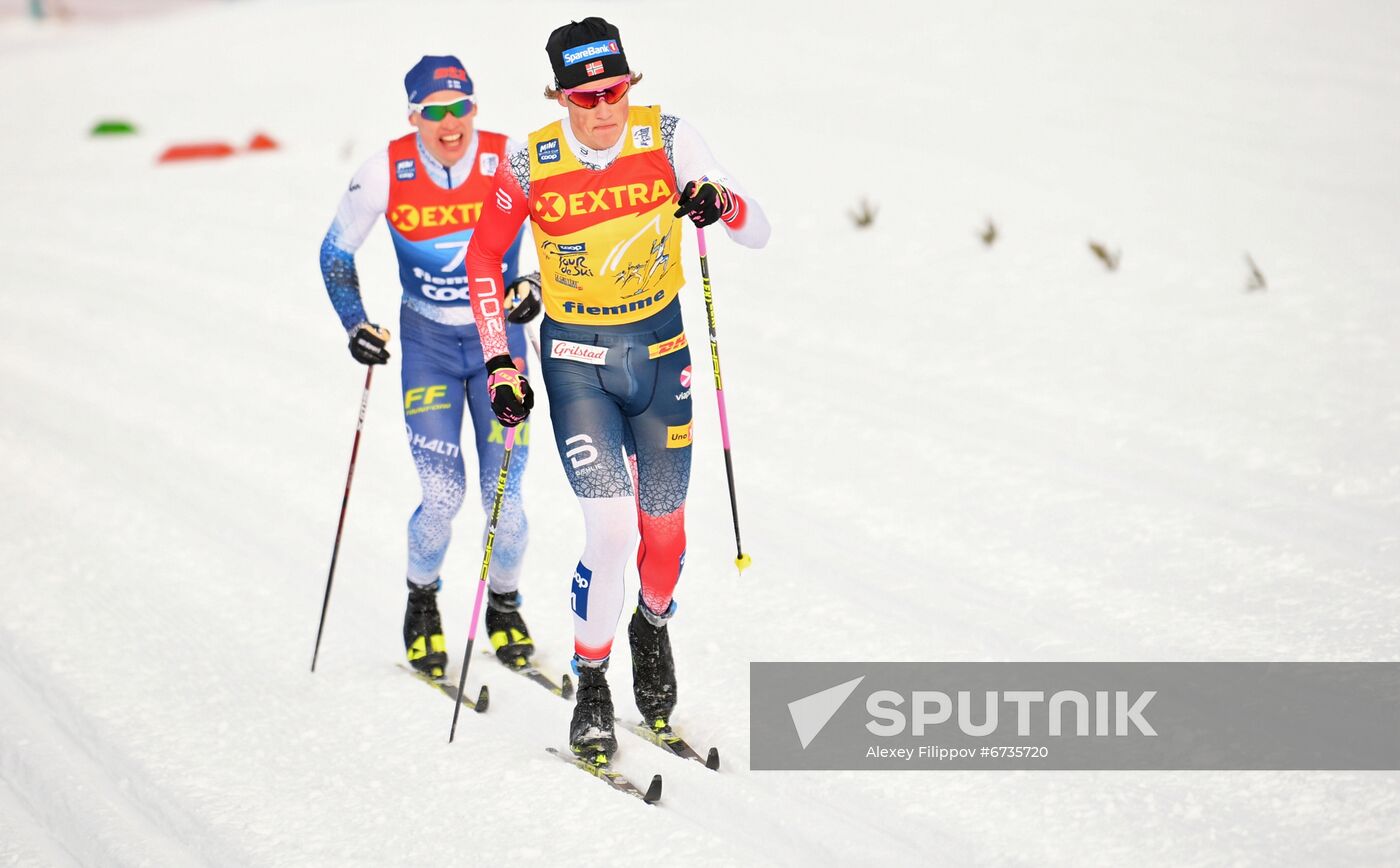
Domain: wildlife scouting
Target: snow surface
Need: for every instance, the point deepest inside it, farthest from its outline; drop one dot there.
(944, 451)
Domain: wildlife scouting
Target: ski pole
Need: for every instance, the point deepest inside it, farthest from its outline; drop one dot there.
(340, 527)
(742, 561)
(481, 585)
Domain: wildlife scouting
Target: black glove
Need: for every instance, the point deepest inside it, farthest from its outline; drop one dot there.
(705, 203)
(369, 344)
(511, 396)
(523, 298)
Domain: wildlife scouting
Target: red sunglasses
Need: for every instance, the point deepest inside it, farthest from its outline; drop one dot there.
(587, 99)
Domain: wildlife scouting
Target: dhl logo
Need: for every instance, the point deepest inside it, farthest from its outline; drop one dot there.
(677, 436)
(552, 207)
(665, 348)
(407, 218)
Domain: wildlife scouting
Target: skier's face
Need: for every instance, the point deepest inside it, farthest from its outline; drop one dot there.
(447, 140)
(601, 126)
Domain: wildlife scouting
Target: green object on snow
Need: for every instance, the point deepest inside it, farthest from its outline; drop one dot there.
(113, 128)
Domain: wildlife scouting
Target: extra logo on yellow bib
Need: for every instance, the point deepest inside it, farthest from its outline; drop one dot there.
(551, 207)
(678, 436)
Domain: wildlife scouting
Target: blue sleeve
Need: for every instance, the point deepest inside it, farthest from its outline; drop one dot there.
(511, 261)
(342, 282)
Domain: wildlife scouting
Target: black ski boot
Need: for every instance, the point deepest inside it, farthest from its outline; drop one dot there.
(591, 730)
(422, 630)
(653, 668)
(507, 630)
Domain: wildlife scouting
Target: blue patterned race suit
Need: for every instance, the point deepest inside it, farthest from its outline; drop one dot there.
(431, 211)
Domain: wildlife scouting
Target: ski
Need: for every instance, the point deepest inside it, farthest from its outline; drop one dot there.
(669, 740)
(563, 689)
(448, 689)
(613, 779)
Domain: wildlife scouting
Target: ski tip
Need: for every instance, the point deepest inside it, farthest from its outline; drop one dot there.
(483, 700)
(743, 562)
(653, 793)
(712, 760)
(566, 686)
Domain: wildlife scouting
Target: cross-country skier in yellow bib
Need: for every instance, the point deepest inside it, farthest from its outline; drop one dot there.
(604, 191)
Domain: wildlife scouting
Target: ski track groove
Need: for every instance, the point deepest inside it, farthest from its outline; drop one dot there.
(100, 807)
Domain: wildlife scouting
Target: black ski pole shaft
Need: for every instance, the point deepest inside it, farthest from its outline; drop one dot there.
(481, 584)
(345, 501)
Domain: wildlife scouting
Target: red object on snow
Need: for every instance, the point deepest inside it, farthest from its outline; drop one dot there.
(201, 151)
(262, 142)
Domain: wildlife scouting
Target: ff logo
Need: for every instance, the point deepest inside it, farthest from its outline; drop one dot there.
(426, 395)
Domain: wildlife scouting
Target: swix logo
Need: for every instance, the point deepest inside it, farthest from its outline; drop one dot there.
(585, 353)
(601, 48)
(578, 598)
(426, 396)
(407, 218)
(552, 207)
(450, 72)
(665, 348)
(582, 455)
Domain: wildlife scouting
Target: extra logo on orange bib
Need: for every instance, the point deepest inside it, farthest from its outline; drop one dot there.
(407, 218)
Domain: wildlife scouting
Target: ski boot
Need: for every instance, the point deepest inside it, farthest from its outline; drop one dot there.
(591, 730)
(422, 630)
(507, 630)
(653, 668)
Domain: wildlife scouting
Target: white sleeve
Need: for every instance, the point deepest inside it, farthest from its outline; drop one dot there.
(363, 203)
(692, 160)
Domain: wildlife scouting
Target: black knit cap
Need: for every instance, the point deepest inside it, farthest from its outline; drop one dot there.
(584, 51)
